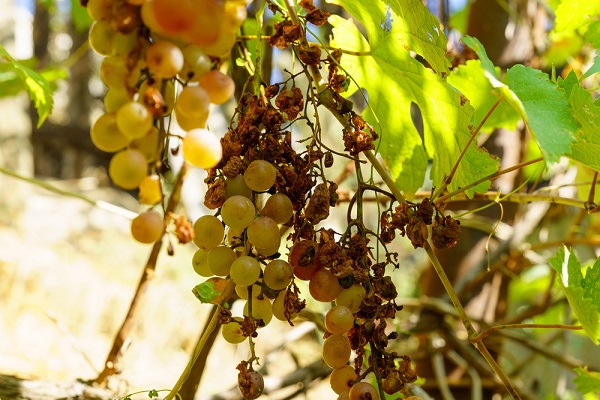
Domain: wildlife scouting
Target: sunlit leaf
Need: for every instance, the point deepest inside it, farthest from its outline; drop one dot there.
(592, 35)
(582, 293)
(393, 80)
(587, 381)
(205, 292)
(595, 68)
(587, 147)
(79, 16)
(573, 14)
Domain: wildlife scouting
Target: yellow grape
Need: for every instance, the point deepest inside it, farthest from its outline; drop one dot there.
(106, 136)
(232, 331)
(220, 87)
(114, 73)
(261, 309)
(245, 270)
(279, 307)
(195, 63)
(208, 232)
(278, 274)
(134, 120)
(222, 46)
(341, 377)
(193, 102)
(268, 251)
(237, 186)
(173, 17)
(260, 175)
(127, 169)
(164, 59)
(101, 37)
(150, 190)
(207, 22)
(242, 291)
(351, 297)
(238, 212)
(202, 148)
(187, 124)
(200, 263)
(279, 208)
(363, 391)
(147, 227)
(235, 14)
(220, 259)
(263, 232)
(147, 144)
(149, 18)
(336, 351)
(324, 286)
(339, 320)
(100, 10)
(115, 98)
(124, 44)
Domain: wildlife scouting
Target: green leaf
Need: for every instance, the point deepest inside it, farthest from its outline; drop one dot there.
(573, 14)
(205, 292)
(38, 87)
(393, 81)
(153, 393)
(410, 24)
(587, 381)
(472, 81)
(79, 16)
(595, 68)
(582, 293)
(478, 48)
(546, 109)
(587, 147)
(592, 35)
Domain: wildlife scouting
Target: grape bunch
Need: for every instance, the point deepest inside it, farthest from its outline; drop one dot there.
(161, 68)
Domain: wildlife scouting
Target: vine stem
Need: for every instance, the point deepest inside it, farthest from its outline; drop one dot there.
(318, 80)
(201, 342)
(112, 360)
(495, 328)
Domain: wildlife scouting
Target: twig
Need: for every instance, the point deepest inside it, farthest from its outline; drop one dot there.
(113, 358)
(496, 328)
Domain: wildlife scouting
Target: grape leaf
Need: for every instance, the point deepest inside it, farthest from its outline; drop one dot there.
(205, 292)
(587, 381)
(153, 393)
(546, 110)
(36, 85)
(582, 293)
(393, 80)
(595, 68)
(573, 14)
(471, 80)
(407, 22)
(592, 35)
(587, 147)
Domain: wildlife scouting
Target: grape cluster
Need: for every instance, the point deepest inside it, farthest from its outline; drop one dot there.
(161, 69)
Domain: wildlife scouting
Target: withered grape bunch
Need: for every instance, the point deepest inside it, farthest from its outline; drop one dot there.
(164, 68)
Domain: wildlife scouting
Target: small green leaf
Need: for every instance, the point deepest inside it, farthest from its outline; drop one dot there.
(478, 48)
(587, 381)
(79, 16)
(592, 35)
(582, 293)
(595, 68)
(38, 87)
(573, 14)
(153, 393)
(587, 147)
(205, 292)
(547, 110)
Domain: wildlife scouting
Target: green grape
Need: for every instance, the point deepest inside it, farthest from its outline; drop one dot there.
(124, 44)
(269, 251)
(164, 59)
(115, 74)
(238, 212)
(106, 136)
(341, 377)
(263, 232)
(363, 391)
(278, 274)
(245, 270)
(195, 63)
(232, 331)
(351, 297)
(115, 98)
(261, 309)
(260, 175)
(208, 232)
(220, 259)
(279, 208)
(242, 291)
(101, 37)
(324, 286)
(147, 227)
(127, 169)
(147, 144)
(339, 320)
(100, 10)
(279, 307)
(200, 263)
(336, 351)
(202, 148)
(237, 186)
(193, 102)
(150, 190)
(134, 120)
